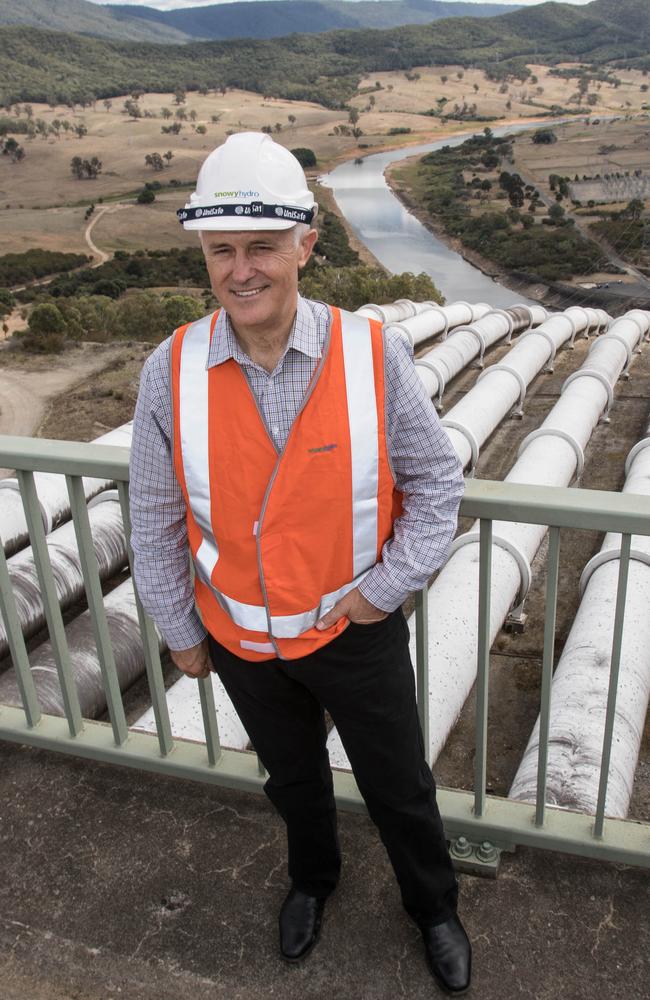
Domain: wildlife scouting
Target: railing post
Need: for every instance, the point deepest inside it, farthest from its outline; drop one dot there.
(617, 642)
(422, 661)
(483, 663)
(550, 610)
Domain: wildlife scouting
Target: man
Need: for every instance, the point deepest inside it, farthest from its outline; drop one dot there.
(294, 450)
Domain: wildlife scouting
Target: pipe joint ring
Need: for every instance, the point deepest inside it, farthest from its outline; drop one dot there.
(520, 557)
(437, 371)
(638, 447)
(469, 437)
(104, 497)
(539, 332)
(557, 432)
(478, 336)
(593, 373)
(621, 340)
(436, 308)
(509, 320)
(608, 555)
(644, 330)
(515, 374)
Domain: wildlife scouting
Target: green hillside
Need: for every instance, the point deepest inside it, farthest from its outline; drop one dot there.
(42, 65)
(274, 18)
(86, 19)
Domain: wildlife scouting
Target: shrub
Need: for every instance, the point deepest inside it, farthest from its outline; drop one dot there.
(305, 157)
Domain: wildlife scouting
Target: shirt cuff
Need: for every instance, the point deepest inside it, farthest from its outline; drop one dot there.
(184, 636)
(377, 588)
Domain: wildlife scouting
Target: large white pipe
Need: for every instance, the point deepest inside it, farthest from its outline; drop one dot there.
(580, 683)
(122, 618)
(52, 494)
(549, 456)
(436, 320)
(396, 312)
(443, 362)
(105, 518)
(186, 719)
(502, 386)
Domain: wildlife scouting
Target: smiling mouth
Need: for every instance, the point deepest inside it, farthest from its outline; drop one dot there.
(248, 293)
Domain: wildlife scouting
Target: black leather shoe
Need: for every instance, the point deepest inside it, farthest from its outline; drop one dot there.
(449, 955)
(301, 916)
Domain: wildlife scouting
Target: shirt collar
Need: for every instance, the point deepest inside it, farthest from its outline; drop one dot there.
(304, 337)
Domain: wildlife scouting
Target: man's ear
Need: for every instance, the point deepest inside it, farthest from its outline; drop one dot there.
(306, 247)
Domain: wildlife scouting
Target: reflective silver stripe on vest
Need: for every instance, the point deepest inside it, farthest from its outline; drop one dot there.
(253, 617)
(362, 417)
(193, 396)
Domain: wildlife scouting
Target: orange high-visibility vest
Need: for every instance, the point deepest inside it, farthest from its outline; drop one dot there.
(278, 539)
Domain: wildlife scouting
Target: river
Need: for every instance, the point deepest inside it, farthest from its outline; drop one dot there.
(397, 239)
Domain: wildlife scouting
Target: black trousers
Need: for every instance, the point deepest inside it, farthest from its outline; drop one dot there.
(364, 678)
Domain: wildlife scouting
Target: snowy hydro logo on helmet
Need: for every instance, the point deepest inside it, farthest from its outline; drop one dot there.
(236, 194)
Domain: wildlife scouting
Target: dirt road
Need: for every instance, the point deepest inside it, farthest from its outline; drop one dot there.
(100, 255)
(25, 392)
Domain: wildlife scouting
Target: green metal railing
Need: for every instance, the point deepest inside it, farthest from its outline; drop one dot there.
(477, 818)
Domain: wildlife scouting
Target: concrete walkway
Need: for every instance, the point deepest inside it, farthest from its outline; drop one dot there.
(118, 885)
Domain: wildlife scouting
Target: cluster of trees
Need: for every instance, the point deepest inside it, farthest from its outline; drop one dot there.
(54, 323)
(628, 232)
(157, 161)
(85, 169)
(21, 268)
(351, 287)
(509, 238)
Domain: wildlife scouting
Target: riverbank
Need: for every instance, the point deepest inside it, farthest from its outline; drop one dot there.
(538, 291)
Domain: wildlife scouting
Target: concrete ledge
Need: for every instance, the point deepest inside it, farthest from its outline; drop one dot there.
(120, 884)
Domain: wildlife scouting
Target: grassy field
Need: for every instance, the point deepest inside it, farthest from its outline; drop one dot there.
(41, 204)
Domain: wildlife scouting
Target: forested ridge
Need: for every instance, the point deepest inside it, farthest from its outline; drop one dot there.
(42, 65)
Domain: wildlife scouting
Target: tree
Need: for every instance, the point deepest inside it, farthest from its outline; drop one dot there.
(155, 161)
(7, 302)
(556, 214)
(305, 157)
(146, 196)
(544, 136)
(13, 150)
(169, 156)
(634, 209)
(166, 113)
(179, 97)
(80, 130)
(108, 104)
(132, 108)
(353, 116)
(201, 129)
(292, 118)
(45, 319)
(77, 167)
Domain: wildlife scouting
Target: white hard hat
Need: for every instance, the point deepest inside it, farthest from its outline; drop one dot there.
(249, 182)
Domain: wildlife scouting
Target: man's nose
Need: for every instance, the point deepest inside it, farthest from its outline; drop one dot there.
(242, 267)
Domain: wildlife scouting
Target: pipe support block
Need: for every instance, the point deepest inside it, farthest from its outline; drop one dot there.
(520, 557)
(515, 374)
(469, 437)
(605, 556)
(557, 432)
(592, 373)
(639, 446)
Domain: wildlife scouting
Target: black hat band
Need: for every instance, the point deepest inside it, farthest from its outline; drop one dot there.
(255, 209)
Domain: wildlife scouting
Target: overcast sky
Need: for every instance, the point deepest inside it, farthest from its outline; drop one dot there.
(173, 4)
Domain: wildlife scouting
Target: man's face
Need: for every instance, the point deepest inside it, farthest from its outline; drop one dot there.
(254, 275)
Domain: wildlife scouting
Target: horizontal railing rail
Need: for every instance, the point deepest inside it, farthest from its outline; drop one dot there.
(476, 815)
